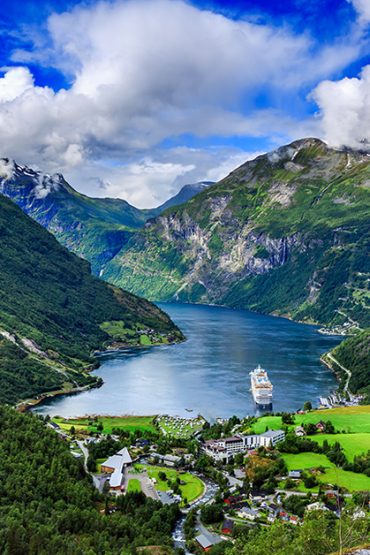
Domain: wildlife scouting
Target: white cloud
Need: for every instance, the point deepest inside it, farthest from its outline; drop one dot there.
(345, 109)
(142, 71)
(15, 82)
(362, 7)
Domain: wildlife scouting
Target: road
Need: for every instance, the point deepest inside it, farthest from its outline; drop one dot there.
(348, 372)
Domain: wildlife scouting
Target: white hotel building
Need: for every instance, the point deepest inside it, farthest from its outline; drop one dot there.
(224, 448)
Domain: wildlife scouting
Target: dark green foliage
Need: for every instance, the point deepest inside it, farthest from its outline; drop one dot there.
(354, 354)
(48, 504)
(23, 376)
(212, 513)
(320, 534)
(296, 504)
(49, 296)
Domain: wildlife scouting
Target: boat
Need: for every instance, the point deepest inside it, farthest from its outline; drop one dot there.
(261, 387)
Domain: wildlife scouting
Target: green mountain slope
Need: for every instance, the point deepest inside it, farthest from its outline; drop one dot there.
(353, 354)
(54, 313)
(94, 228)
(286, 233)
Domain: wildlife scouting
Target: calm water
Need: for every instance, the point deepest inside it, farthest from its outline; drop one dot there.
(209, 373)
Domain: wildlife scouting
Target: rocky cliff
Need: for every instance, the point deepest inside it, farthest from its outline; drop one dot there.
(286, 233)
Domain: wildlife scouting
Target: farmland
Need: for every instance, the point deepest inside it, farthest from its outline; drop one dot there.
(346, 419)
(333, 475)
(89, 424)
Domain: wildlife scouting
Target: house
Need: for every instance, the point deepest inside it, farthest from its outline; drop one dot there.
(295, 474)
(227, 526)
(271, 438)
(167, 460)
(294, 520)
(271, 518)
(299, 431)
(142, 442)
(115, 466)
(204, 542)
(283, 515)
(317, 506)
(250, 514)
(320, 426)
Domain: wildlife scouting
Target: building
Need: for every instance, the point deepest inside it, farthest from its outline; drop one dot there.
(204, 542)
(167, 460)
(224, 448)
(271, 438)
(299, 431)
(227, 526)
(115, 467)
(250, 514)
(295, 474)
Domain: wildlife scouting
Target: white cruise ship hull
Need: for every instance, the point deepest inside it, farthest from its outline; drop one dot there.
(262, 400)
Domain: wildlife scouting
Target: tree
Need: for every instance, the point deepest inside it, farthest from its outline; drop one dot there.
(210, 514)
(287, 418)
(307, 405)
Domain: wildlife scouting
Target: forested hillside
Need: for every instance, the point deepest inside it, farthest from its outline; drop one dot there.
(354, 355)
(48, 504)
(286, 233)
(54, 313)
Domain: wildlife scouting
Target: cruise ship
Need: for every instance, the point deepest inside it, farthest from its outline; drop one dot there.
(261, 387)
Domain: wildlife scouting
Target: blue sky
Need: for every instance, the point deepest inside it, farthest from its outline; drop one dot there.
(134, 98)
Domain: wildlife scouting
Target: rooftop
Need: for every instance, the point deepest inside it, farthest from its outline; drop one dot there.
(203, 541)
(273, 433)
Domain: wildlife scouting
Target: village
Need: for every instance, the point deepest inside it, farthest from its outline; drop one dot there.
(225, 476)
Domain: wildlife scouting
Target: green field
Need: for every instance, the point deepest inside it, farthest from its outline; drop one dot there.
(353, 444)
(86, 424)
(333, 475)
(348, 419)
(134, 486)
(191, 488)
(303, 461)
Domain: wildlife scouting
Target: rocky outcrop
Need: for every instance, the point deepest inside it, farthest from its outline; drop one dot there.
(271, 236)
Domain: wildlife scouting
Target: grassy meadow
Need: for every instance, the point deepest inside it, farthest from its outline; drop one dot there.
(90, 424)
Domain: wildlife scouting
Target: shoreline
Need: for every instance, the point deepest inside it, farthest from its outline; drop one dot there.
(29, 404)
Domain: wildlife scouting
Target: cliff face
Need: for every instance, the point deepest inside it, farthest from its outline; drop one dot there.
(286, 233)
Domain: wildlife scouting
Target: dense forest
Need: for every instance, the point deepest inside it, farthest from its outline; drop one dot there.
(55, 311)
(49, 505)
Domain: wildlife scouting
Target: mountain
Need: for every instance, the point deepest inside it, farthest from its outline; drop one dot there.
(286, 233)
(353, 354)
(94, 228)
(54, 313)
(186, 193)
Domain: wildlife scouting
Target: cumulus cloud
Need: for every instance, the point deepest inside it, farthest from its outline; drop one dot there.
(15, 82)
(145, 70)
(362, 7)
(345, 110)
